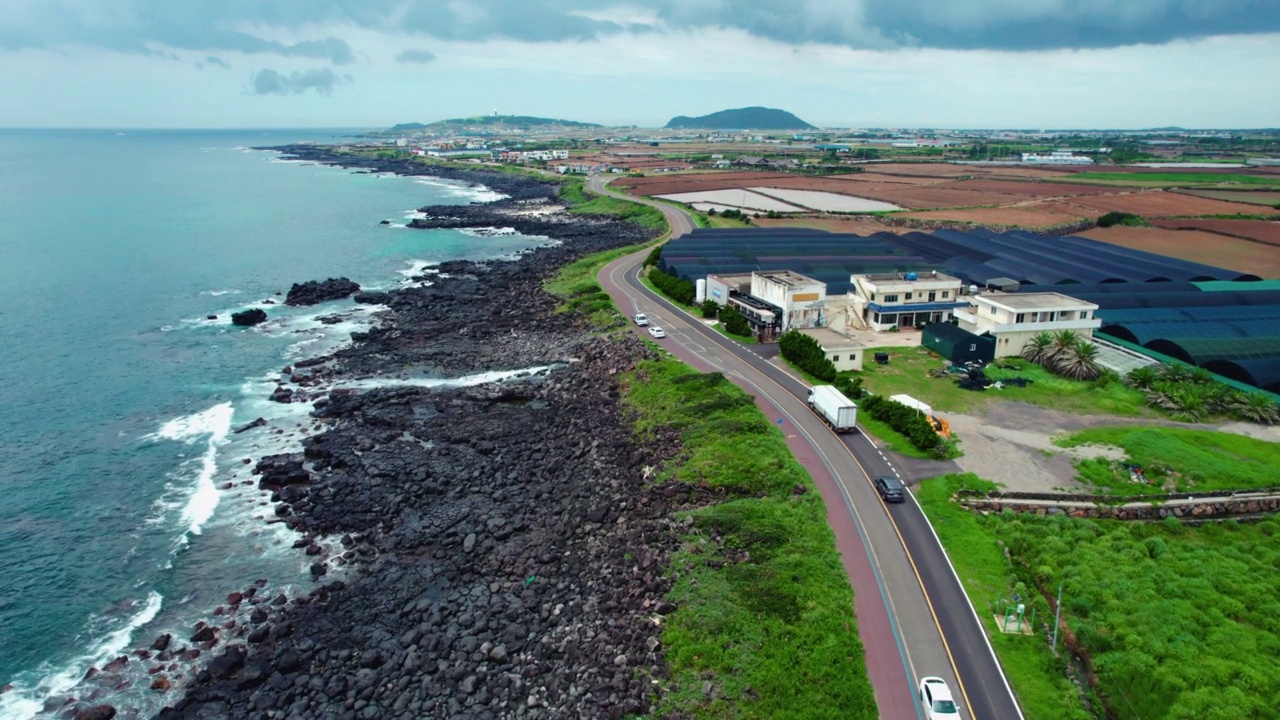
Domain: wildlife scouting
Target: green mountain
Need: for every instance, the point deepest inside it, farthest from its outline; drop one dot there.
(750, 118)
(406, 127)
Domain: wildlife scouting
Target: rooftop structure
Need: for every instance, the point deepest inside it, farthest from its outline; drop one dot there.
(1056, 157)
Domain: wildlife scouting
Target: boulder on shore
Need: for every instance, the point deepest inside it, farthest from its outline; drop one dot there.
(246, 318)
(318, 291)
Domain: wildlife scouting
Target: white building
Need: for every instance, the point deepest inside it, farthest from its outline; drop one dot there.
(1014, 318)
(843, 351)
(905, 300)
(801, 299)
(1057, 157)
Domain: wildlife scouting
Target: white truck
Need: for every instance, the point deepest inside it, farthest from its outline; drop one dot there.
(839, 411)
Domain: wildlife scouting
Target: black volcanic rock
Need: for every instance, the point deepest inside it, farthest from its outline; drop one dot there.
(318, 291)
(246, 318)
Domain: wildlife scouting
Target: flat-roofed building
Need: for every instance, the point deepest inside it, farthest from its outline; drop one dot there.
(905, 300)
(843, 351)
(801, 299)
(1014, 318)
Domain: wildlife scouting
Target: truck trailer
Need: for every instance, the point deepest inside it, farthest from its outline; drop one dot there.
(832, 406)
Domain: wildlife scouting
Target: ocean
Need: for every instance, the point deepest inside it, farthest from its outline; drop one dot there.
(127, 508)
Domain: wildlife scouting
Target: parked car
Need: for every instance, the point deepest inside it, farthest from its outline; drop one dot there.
(657, 332)
(936, 699)
(641, 319)
(890, 488)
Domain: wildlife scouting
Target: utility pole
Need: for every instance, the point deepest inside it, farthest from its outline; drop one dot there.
(1057, 618)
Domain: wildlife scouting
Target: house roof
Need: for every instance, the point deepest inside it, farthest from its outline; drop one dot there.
(831, 341)
(1033, 301)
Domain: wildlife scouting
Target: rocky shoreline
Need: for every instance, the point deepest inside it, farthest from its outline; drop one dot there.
(489, 552)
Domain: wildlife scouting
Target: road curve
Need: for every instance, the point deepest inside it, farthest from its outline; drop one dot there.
(913, 616)
(679, 220)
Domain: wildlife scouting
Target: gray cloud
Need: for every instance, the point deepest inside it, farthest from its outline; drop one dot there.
(218, 25)
(323, 80)
(215, 60)
(416, 56)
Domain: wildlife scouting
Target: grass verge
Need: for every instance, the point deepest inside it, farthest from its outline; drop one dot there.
(765, 611)
(573, 191)
(1178, 459)
(1043, 690)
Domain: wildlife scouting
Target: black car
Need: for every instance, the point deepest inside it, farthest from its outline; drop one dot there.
(891, 489)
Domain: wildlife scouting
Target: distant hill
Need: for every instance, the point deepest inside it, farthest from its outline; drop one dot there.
(522, 121)
(753, 118)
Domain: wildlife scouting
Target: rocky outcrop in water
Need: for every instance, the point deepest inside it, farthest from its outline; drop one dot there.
(498, 550)
(250, 317)
(314, 292)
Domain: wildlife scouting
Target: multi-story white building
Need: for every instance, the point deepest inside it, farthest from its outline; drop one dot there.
(1014, 318)
(801, 299)
(1057, 157)
(886, 300)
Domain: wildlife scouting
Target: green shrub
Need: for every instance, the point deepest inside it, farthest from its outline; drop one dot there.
(908, 421)
(709, 309)
(735, 323)
(1122, 218)
(680, 290)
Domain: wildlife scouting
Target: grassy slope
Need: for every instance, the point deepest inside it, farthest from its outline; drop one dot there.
(774, 634)
(1196, 460)
(573, 192)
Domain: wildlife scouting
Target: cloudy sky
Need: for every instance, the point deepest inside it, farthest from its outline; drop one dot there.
(835, 63)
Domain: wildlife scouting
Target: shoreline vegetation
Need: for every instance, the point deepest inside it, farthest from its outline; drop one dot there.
(590, 541)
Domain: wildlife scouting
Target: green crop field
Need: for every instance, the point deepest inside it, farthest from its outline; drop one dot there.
(1172, 179)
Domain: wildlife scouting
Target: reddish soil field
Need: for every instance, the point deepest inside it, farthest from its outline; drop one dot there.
(883, 178)
(1259, 230)
(1032, 189)
(935, 170)
(1159, 203)
(1024, 216)
(1245, 256)
(693, 182)
(932, 196)
(1252, 197)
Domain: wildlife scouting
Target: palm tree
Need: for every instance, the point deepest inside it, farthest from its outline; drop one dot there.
(1176, 373)
(1200, 376)
(1063, 341)
(1079, 362)
(1035, 349)
(1142, 378)
(1256, 407)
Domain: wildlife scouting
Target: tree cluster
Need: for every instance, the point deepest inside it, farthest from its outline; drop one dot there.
(1122, 218)
(1064, 353)
(735, 323)
(806, 354)
(910, 422)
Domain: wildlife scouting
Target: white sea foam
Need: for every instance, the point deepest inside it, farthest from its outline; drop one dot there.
(478, 193)
(23, 703)
(219, 293)
(465, 381)
(213, 425)
(488, 231)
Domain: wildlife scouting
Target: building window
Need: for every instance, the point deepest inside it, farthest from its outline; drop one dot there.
(891, 298)
(946, 293)
(932, 296)
(1021, 318)
(835, 358)
(907, 296)
(973, 347)
(873, 297)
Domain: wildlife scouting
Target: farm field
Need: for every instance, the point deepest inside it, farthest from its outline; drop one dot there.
(825, 201)
(1263, 231)
(1031, 189)
(736, 198)
(1177, 179)
(934, 196)
(1245, 256)
(1025, 216)
(857, 225)
(1159, 203)
(1252, 197)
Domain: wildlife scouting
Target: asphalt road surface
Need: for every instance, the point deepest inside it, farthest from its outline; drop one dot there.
(913, 616)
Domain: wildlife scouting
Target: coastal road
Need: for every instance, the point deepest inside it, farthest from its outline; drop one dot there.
(913, 617)
(679, 220)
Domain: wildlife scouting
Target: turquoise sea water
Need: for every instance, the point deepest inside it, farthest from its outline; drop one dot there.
(119, 396)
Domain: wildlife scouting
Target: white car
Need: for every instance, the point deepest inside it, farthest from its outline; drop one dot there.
(657, 332)
(641, 319)
(936, 699)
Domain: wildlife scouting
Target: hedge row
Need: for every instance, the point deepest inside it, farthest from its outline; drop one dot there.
(908, 421)
(682, 291)
(807, 355)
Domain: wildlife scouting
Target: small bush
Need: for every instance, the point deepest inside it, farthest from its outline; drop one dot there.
(805, 352)
(1122, 218)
